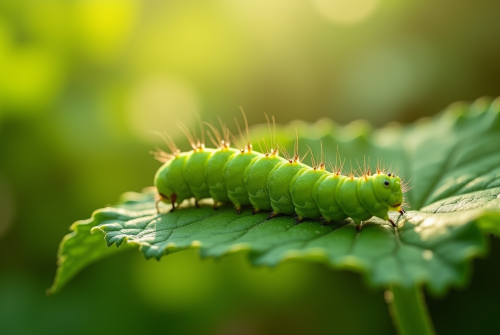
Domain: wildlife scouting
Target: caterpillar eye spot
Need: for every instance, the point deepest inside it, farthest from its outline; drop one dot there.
(389, 174)
(386, 183)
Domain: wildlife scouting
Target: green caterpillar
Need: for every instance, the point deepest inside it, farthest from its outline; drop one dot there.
(272, 183)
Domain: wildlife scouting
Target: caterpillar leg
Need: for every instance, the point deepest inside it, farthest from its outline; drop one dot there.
(255, 211)
(157, 204)
(299, 220)
(238, 209)
(359, 226)
(196, 203)
(158, 198)
(393, 224)
(271, 215)
(401, 213)
(215, 206)
(174, 199)
(324, 222)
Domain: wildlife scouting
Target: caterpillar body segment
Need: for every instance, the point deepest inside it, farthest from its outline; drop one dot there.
(347, 197)
(301, 189)
(214, 173)
(234, 171)
(324, 194)
(171, 182)
(256, 178)
(279, 187)
(195, 173)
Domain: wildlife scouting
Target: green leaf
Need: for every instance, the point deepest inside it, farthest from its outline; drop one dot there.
(452, 160)
(81, 248)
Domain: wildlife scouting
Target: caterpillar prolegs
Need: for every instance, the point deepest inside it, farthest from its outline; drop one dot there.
(268, 182)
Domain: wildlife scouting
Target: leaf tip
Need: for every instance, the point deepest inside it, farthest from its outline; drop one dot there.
(196, 244)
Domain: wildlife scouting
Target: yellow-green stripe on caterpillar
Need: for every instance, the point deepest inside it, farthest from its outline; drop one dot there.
(272, 183)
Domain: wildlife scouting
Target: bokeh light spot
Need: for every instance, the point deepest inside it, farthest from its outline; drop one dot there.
(104, 25)
(383, 80)
(158, 103)
(346, 11)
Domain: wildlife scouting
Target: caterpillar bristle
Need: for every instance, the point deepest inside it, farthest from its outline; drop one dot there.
(330, 166)
(274, 142)
(361, 172)
(266, 147)
(260, 146)
(237, 143)
(341, 169)
(322, 163)
(396, 171)
(339, 165)
(249, 143)
(225, 135)
(168, 141)
(274, 146)
(405, 189)
(351, 172)
(191, 139)
(162, 156)
(248, 146)
(366, 167)
(217, 143)
(270, 132)
(296, 157)
(388, 170)
(201, 141)
(380, 168)
(286, 155)
(312, 157)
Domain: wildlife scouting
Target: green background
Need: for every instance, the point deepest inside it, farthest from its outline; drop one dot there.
(82, 84)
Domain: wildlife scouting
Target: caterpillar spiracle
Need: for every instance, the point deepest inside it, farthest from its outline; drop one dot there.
(268, 182)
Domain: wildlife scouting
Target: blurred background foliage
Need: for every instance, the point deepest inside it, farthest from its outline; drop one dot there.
(83, 83)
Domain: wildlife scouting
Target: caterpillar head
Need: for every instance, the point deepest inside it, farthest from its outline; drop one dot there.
(388, 188)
